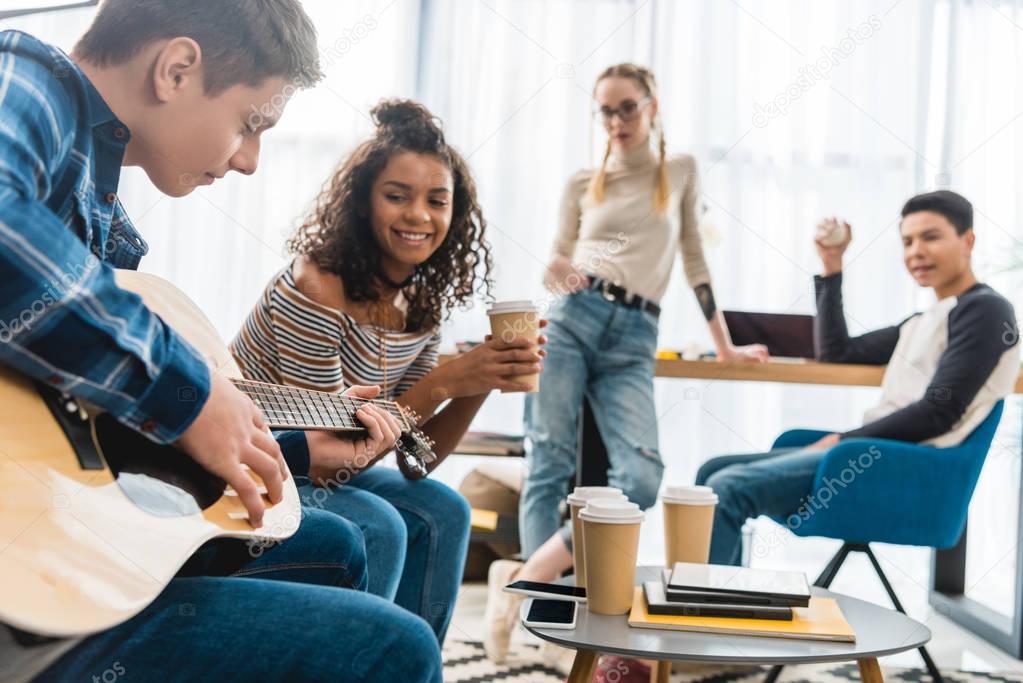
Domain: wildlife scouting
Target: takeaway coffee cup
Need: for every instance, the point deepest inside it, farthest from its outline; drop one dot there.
(688, 522)
(611, 542)
(577, 500)
(510, 320)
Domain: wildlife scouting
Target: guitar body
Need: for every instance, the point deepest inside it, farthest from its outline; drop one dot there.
(91, 533)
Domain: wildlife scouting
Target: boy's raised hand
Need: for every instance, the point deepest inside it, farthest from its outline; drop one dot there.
(230, 432)
(829, 247)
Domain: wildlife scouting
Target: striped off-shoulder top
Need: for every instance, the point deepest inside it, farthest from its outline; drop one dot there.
(293, 340)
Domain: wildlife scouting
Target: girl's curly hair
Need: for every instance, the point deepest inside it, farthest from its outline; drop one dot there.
(338, 237)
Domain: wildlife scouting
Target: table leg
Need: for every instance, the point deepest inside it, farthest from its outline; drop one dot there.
(660, 672)
(870, 671)
(584, 666)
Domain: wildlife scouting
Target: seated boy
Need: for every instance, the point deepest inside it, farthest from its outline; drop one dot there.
(947, 367)
(184, 89)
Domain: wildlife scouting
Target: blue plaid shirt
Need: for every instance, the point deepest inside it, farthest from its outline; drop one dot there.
(63, 320)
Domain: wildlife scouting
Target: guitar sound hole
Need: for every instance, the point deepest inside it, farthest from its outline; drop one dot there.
(160, 479)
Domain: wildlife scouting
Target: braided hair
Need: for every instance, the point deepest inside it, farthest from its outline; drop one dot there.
(644, 78)
(338, 237)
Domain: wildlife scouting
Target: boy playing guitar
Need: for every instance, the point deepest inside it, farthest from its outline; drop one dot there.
(171, 86)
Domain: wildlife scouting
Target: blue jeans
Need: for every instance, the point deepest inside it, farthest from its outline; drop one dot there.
(773, 483)
(604, 351)
(417, 535)
(287, 615)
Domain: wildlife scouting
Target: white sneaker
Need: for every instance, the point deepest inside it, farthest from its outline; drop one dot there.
(502, 610)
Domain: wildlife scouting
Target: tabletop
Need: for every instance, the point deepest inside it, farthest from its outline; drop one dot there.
(879, 632)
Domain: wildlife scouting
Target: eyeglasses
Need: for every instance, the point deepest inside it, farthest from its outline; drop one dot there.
(627, 111)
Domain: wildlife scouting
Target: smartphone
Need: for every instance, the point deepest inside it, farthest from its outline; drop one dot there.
(550, 613)
(549, 591)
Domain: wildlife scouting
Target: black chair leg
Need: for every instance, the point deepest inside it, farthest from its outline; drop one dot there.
(932, 669)
(828, 575)
(831, 569)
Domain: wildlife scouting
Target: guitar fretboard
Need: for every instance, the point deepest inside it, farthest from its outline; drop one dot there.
(286, 407)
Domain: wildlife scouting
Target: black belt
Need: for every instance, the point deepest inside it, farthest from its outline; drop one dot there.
(613, 292)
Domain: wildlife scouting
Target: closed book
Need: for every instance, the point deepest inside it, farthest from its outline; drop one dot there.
(822, 620)
(657, 603)
(742, 584)
(719, 598)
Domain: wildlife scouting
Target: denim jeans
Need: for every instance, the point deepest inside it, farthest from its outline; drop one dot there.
(604, 351)
(286, 615)
(417, 535)
(773, 483)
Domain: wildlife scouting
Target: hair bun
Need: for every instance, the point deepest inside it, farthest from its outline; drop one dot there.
(409, 123)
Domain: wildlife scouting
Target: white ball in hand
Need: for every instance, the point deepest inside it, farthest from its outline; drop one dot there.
(831, 233)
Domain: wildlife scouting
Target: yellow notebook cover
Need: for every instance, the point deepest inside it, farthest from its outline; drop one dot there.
(822, 620)
(483, 520)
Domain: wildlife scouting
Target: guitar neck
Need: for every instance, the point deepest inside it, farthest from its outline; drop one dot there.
(285, 407)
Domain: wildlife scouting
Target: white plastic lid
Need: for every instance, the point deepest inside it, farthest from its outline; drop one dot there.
(522, 306)
(689, 495)
(611, 512)
(582, 494)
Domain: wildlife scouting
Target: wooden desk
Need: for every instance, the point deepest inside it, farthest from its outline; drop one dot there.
(782, 370)
(787, 371)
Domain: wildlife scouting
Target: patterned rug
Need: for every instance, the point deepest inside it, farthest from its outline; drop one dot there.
(465, 662)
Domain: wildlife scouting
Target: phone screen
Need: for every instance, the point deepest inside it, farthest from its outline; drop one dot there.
(549, 588)
(551, 612)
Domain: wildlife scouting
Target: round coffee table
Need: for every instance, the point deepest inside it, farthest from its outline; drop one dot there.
(879, 632)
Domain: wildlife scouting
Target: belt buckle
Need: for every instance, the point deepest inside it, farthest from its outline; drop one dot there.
(605, 290)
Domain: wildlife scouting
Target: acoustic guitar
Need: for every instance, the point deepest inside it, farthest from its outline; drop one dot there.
(95, 519)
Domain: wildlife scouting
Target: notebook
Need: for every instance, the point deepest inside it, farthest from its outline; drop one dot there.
(658, 603)
(715, 598)
(822, 620)
(740, 584)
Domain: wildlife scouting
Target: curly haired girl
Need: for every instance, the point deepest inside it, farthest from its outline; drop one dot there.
(395, 242)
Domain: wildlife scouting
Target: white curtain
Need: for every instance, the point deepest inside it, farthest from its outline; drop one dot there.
(513, 80)
(980, 157)
(795, 111)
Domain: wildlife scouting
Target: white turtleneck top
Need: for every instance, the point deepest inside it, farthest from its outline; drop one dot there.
(625, 239)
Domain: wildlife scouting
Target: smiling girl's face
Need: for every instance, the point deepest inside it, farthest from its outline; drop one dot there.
(410, 211)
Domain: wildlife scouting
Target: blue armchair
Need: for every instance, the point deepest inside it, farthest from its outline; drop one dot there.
(880, 491)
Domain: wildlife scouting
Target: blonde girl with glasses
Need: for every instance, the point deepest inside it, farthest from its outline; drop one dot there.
(621, 226)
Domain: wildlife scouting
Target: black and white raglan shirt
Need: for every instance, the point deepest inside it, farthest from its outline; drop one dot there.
(947, 366)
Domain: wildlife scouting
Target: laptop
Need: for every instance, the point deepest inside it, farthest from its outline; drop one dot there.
(786, 335)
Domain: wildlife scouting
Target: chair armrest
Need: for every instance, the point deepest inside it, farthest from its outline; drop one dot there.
(878, 490)
(797, 438)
